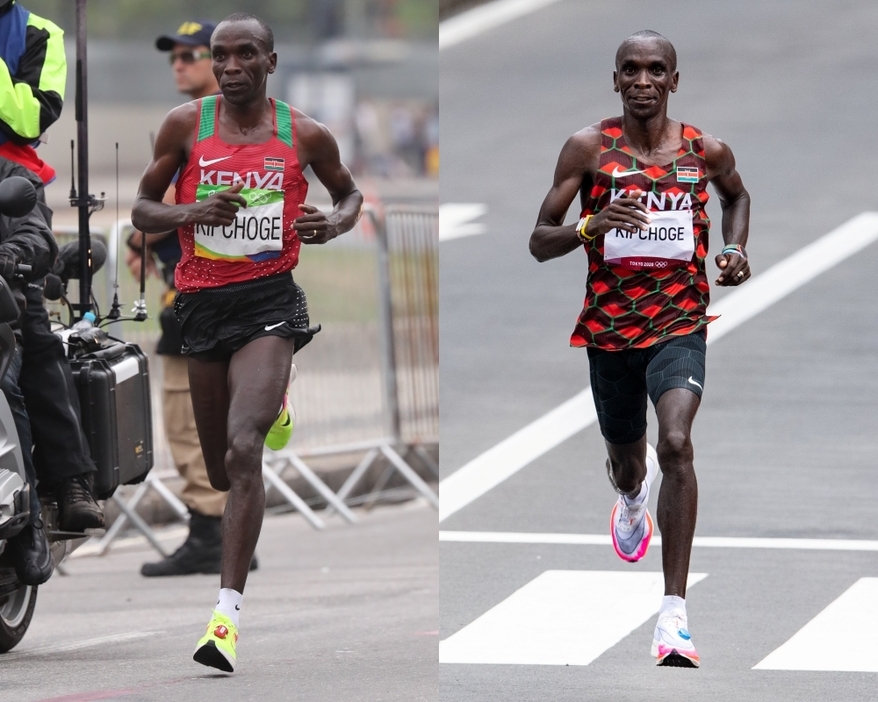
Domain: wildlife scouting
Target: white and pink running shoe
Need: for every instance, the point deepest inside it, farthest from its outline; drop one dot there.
(631, 525)
(671, 644)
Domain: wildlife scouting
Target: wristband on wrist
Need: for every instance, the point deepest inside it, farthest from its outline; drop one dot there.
(735, 249)
(582, 226)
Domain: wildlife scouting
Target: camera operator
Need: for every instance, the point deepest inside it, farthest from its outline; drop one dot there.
(33, 71)
(26, 240)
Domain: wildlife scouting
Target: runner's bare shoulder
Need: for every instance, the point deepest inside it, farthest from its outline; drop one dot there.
(581, 152)
(179, 126)
(717, 156)
(314, 138)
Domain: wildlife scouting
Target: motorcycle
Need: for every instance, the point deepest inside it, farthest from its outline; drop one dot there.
(112, 380)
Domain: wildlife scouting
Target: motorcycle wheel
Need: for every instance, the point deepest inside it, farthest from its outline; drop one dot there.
(15, 616)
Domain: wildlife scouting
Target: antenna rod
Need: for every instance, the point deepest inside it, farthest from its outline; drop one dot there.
(83, 201)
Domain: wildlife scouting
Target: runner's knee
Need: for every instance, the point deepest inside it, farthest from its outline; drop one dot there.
(675, 451)
(245, 453)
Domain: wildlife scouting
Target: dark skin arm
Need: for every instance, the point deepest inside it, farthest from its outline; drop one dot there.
(318, 149)
(735, 202)
(577, 165)
(150, 214)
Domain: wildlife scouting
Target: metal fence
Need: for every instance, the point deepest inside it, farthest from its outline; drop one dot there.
(412, 308)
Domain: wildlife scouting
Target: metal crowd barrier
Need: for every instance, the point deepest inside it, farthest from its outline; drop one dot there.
(400, 345)
(368, 383)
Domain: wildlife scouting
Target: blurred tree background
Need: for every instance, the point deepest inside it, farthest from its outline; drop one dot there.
(305, 21)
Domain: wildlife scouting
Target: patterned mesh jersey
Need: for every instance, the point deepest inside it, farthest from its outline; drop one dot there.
(261, 242)
(636, 309)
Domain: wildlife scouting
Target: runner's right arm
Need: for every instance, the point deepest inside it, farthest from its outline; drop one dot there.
(577, 164)
(149, 213)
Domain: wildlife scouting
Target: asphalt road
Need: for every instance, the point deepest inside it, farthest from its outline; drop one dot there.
(787, 434)
(345, 614)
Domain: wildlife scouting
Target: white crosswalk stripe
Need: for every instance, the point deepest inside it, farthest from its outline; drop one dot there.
(843, 637)
(552, 620)
(561, 617)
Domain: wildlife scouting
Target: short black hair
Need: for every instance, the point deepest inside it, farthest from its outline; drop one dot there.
(267, 37)
(649, 34)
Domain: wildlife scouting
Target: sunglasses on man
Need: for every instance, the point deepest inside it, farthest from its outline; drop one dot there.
(188, 57)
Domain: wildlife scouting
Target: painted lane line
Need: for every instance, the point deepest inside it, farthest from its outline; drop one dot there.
(550, 621)
(761, 292)
(506, 537)
(843, 637)
(480, 19)
(455, 220)
(512, 454)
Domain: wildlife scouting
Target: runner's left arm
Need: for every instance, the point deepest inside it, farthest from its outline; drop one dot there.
(735, 202)
(319, 150)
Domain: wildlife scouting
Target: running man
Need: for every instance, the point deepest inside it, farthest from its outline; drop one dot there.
(642, 181)
(241, 215)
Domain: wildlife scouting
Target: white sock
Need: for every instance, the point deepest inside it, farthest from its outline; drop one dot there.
(672, 602)
(229, 603)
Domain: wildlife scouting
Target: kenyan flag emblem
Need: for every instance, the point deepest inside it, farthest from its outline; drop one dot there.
(272, 163)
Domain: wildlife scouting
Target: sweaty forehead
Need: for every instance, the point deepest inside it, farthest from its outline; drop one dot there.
(646, 49)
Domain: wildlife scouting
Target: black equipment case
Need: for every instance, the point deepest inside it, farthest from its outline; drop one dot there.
(113, 386)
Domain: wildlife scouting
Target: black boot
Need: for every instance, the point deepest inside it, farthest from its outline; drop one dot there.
(31, 555)
(77, 507)
(201, 552)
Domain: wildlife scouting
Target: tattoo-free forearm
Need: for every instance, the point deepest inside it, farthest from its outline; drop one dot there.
(548, 241)
(347, 211)
(154, 217)
(736, 220)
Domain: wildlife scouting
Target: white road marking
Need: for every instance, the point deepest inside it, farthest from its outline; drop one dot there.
(843, 637)
(512, 454)
(506, 537)
(455, 220)
(561, 617)
(480, 19)
(76, 645)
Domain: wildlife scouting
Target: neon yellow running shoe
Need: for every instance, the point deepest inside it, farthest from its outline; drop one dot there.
(217, 647)
(282, 429)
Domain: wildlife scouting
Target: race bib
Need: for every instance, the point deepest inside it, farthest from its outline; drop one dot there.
(257, 229)
(669, 242)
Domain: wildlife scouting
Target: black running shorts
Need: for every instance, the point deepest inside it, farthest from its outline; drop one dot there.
(217, 322)
(621, 381)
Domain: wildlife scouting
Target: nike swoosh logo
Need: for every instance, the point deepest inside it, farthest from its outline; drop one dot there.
(696, 384)
(204, 164)
(269, 327)
(621, 174)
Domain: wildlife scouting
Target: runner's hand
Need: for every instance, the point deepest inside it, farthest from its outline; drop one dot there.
(314, 227)
(219, 209)
(734, 269)
(626, 212)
